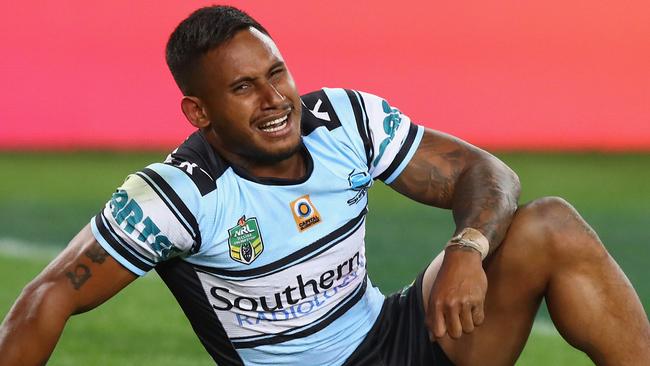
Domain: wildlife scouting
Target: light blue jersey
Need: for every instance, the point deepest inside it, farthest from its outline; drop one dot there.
(268, 271)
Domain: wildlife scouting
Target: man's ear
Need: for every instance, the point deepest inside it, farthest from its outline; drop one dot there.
(193, 111)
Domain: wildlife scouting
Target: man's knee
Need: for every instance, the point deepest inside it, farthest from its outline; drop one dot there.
(553, 226)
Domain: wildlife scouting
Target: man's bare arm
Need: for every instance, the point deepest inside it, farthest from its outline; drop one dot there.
(80, 278)
(446, 172)
(482, 193)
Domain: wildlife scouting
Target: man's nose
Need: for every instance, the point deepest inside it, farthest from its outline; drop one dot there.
(272, 96)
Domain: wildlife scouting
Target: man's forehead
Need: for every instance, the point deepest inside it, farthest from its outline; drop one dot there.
(248, 48)
(245, 43)
(268, 42)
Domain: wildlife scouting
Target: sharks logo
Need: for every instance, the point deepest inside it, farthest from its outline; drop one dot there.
(360, 182)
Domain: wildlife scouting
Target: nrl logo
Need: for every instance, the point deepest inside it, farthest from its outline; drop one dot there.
(245, 240)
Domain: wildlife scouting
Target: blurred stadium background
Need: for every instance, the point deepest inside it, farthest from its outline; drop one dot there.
(559, 90)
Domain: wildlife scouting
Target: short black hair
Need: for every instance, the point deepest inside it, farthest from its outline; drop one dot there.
(205, 29)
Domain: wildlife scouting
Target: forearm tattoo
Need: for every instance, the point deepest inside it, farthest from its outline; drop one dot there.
(486, 200)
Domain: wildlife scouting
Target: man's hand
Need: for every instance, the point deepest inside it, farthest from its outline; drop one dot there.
(456, 300)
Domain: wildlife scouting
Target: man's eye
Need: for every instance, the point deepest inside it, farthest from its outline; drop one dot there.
(277, 73)
(242, 87)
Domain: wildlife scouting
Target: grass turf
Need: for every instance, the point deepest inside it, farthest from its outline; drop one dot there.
(46, 198)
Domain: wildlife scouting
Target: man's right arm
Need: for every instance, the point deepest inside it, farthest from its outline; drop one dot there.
(80, 278)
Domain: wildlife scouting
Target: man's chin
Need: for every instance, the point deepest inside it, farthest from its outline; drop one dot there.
(269, 158)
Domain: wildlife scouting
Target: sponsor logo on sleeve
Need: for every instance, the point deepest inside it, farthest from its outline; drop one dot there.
(245, 240)
(304, 213)
(391, 122)
(129, 215)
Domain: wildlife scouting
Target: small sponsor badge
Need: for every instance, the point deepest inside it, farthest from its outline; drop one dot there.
(304, 213)
(245, 240)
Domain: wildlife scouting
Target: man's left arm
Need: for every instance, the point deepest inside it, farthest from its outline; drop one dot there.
(482, 193)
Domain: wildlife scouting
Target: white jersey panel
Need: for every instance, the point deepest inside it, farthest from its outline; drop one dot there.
(331, 346)
(141, 225)
(291, 298)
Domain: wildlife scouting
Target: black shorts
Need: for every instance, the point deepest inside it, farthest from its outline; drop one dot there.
(400, 337)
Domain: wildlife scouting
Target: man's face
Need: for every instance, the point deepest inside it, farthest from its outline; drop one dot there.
(251, 100)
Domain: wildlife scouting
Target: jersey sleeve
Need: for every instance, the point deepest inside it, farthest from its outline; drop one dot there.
(150, 218)
(379, 134)
(389, 136)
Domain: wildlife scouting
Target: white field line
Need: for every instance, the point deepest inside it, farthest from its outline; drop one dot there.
(16, 248)
(11, 247)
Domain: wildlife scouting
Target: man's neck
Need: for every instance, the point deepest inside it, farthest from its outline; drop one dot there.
(292, 168)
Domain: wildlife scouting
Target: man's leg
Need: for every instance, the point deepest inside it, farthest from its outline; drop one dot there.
(550, 252)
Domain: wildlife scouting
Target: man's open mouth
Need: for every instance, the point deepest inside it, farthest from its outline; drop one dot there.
(275, 125)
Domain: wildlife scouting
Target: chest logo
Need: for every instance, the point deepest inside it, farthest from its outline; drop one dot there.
(245, 240)
(359, 182)
(304, 213)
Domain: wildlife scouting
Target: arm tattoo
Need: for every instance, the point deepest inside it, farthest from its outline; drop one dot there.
(432, 173)
(487, 199)
(96, 254)
(79, 276)
(481, 191)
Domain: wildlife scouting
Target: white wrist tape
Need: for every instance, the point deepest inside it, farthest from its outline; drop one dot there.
(471, 238)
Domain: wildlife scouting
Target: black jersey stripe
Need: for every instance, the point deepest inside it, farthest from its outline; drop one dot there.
(117, 243)
(186, 287)
(406, 146)
(326, 320)
(294, 258)
(360, 288)
(120, 240)
(175, 204)
(171, 199)
(355, 102)
(370, 151)
(320, 250)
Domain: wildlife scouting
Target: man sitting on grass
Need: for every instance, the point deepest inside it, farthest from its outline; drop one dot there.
(256, 223)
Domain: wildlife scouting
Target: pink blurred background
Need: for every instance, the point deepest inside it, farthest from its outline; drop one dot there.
(526, 75)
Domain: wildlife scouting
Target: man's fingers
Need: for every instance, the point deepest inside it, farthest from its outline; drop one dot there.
(452, 318)
(478, 315)
(455, 319)
(466, 318)
(439, 327)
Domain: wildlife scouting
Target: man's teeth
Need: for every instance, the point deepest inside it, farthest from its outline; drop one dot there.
(275, 125)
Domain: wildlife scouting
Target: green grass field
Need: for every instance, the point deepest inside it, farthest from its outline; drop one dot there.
(46, 198)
